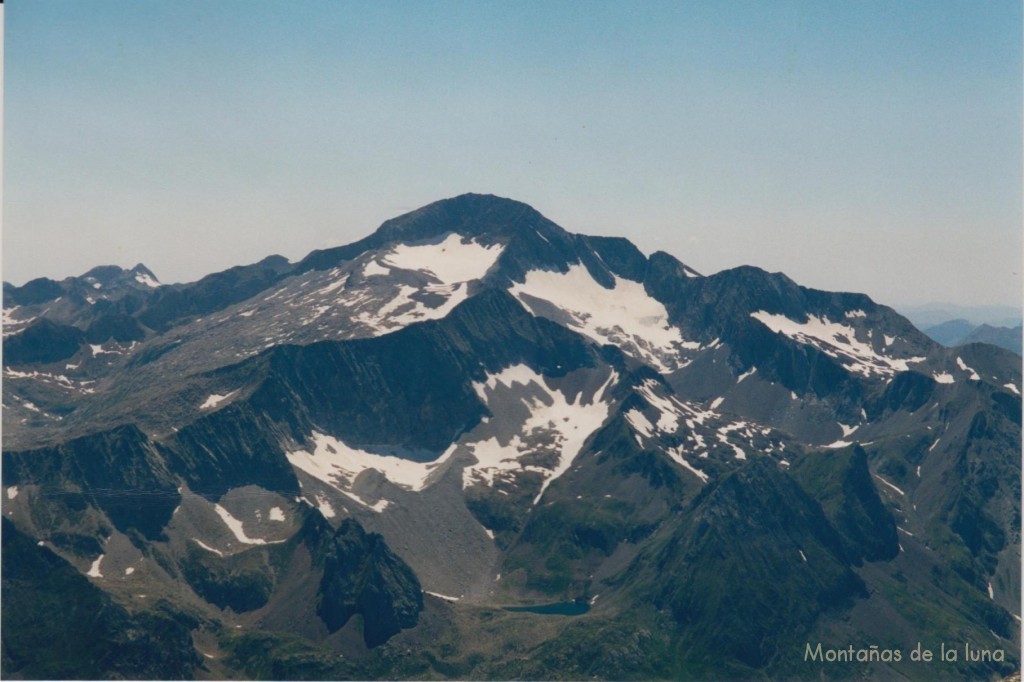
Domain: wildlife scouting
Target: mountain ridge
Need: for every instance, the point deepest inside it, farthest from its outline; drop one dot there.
(501, 413)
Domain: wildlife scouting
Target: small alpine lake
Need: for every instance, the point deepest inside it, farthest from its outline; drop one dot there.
(561, 608)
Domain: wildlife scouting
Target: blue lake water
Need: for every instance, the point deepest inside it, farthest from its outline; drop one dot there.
(562, 608)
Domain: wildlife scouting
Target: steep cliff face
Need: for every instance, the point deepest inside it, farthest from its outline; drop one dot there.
(121, 472)
(721, 572)
(842, 484)
(43, 342)
(361, 576)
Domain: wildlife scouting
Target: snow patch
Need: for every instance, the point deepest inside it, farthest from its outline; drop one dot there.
(372, 269)
(717, 402)
(962, 365)
(746, 374)
(564, 422)
(378, 506)
(387, 318)
(338, 283)
(676, 454)
(836, 340)
(214, 400)
(991, 593)
(94, 570)
(625, 315)
(723, 434)
(802, 556)
(943, 377)
(1012, 387)
(59, 379)
(338, 464)
(670, 410)
(97, 349)
(276, 514)
(129, 570)
(855, 313)
(8, 315)
(236, 527)
(441, 596)
(324, 506)
(146, 280)
(640, 423)
(207, 547)
(889, 484)
(452, 260)
(12, 492)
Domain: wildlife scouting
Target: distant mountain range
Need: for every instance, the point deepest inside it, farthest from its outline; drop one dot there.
(475, 445)
(960, 332)
(932, 314)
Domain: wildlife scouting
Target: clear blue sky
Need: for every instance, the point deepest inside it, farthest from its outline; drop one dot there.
(865, 146)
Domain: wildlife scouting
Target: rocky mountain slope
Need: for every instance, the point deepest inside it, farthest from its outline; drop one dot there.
(476, 445)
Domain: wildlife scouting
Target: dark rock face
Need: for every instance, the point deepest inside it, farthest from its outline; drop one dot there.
(119, 327)
(57, 625)
(243, 582)
(908, 391)
(620, 255)
(841, 483)
(119, 471)
(232, 447)
(212, 292)
(43, 342)
(362, 576)
(975, 504)
(38, 290)
(721, 569)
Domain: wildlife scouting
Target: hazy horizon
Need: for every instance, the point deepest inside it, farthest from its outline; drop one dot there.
(871, 147)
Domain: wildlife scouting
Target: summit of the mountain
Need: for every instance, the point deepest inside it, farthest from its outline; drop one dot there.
(474, 215)
(483, 216)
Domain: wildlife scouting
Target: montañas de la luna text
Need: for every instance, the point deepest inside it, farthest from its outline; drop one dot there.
(876, 654)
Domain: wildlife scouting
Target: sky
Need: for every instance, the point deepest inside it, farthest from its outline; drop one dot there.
(855, 146)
